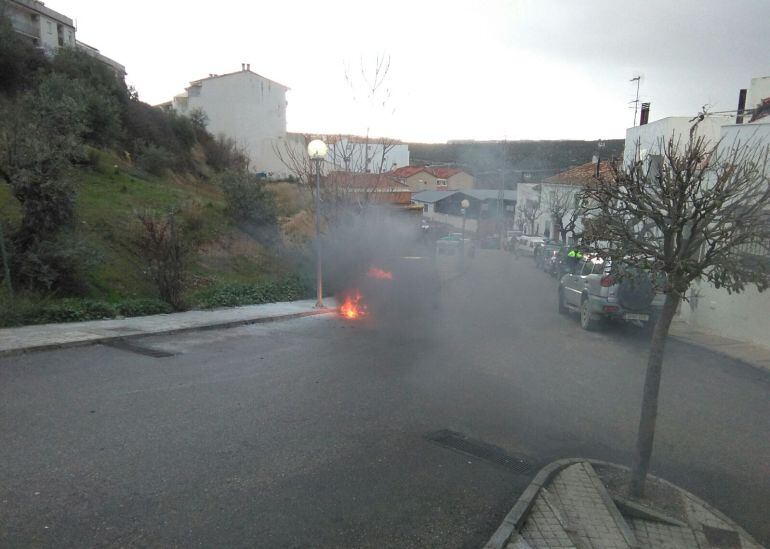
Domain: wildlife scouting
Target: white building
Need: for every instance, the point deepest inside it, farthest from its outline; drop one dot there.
(650, 138)
(563, 188)
(44, 27)
(738, 316)
(50, 30)
(366, 155)
(246, 107)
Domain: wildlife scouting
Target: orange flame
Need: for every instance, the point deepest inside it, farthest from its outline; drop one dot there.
(352, 307)
(375, 272)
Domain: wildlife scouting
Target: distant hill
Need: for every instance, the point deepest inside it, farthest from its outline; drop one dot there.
(522, 161)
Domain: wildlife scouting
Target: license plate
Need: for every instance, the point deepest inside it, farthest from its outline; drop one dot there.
(633, 316)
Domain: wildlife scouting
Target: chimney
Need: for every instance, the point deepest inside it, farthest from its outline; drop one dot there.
(645, 115)
(243, 66)
(248, 66)
(741, 106)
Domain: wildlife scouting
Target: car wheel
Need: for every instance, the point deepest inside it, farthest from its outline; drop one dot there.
(563, 309)
(587, 320)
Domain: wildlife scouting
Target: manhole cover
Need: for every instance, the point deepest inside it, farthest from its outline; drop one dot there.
(479, 449)
(127, 346)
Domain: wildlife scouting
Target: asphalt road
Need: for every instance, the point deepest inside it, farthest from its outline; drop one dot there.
(310, 433)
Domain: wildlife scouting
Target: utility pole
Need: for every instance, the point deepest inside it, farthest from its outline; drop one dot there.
(636, 101)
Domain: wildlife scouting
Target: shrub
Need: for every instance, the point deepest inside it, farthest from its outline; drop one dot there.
(29, 311)
(250, 204)
(153, 158)
(165, 253)
(234, 295)
(142, 307)
(222, 153)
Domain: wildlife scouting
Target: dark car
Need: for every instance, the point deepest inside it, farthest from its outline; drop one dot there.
(547, 256)
(401, 295)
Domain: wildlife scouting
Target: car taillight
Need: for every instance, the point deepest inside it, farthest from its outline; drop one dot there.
(607, 281)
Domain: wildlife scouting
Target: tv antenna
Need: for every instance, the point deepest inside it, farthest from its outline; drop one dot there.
(636, 79)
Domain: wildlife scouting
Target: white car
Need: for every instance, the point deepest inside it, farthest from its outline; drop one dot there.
(525, 245)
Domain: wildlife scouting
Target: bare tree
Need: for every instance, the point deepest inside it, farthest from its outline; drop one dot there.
(689, 213)
(563, 206)
(165, 254)
(528, 214)
(354, 155)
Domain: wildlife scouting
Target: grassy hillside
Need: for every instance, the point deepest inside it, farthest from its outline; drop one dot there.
(109, 204)
(228, 262)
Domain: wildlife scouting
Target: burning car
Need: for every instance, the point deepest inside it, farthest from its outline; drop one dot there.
(397, 296)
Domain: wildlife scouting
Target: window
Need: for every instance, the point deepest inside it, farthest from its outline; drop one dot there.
(50, 27)
(586, 267)
(441, 182)
(598, 267)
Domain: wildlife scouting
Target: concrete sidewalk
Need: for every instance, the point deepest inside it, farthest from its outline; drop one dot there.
(749, 353)
(577, 504)
(54, 336)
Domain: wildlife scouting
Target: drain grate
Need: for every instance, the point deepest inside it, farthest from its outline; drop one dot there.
(127, 346)
(479, 449)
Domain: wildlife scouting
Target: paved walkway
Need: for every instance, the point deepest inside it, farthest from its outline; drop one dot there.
(756, 355)
(572, 504)
(53, 336)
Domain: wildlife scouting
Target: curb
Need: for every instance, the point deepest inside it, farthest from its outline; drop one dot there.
(214, 326)
(515, 518)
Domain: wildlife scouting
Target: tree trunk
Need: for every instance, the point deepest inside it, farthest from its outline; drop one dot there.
(646, 433)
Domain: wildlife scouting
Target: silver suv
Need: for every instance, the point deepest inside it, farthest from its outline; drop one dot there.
(593, 291)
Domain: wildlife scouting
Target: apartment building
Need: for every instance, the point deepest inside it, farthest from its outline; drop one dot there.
(245, 107)
(50, 30)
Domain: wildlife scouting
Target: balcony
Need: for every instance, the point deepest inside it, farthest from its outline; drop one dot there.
(26, 26)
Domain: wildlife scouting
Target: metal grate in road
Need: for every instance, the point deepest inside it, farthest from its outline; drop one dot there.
(123, 345)
(479, 449)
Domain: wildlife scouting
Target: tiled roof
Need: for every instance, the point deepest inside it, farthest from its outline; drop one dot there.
(438, 172)
(370, 181)
(240, 72)
(444, 173)
(581, 175)
(406, 171)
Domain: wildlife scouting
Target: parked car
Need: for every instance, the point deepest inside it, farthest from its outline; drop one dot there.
(490, 242)
(525, 245)
(599, 294)
(548, 256)
(450, 244)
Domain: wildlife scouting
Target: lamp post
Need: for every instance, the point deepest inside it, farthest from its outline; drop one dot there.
(317, 151)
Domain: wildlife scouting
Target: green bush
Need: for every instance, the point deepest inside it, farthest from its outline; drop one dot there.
(142, 307)
(26, 311)
(234, 295)
(153, 158)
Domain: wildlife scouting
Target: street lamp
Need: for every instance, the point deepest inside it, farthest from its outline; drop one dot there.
(317, 151)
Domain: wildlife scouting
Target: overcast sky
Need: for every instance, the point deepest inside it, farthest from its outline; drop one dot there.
(496, 69)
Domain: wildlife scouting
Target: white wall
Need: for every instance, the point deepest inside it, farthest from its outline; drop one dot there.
(247, 108)
(648, 139)
(546, 220)
(351, 155)
(741, 316)
(759, 90)
(525, 192)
